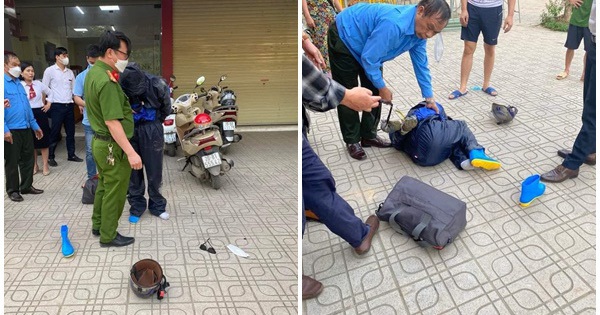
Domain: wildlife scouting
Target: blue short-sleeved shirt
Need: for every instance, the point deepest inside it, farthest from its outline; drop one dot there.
(19, 115)
(78, 90)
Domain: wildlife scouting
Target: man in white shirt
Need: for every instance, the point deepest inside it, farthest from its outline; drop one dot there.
(60, 80)
(584, 148)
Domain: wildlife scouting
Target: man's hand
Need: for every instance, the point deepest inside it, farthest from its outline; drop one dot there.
(8, 137)
(464, 18)
(385, 94)
(360, 99)
(80, 110)
(508, 23)
(39, 134)
(310, 22)
(313, 54)
(6, 103)
(135, 161)
(46, 107)
(576, 3)
(430, 103)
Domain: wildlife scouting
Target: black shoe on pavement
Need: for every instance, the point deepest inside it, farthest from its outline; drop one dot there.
(15, 196)
(52, 163)
(119, 241)
(32, 190)
(75, 158)
(95, 232)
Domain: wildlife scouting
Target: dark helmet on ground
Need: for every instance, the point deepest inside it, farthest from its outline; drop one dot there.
(503, 114)
(147, 278)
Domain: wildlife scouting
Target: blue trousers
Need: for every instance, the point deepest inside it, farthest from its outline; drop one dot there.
(585, 143)
(62, 114)
(89, 157)
(319, 195)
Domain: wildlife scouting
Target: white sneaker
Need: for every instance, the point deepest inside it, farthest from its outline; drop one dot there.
(164, 216)
(466, 165)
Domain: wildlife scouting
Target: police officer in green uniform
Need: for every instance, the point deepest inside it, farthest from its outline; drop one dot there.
(111, 119)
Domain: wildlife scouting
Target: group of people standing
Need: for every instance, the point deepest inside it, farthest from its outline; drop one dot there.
(115, 143)
(358, 41)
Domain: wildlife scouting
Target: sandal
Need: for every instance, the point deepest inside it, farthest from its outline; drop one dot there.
(456, 94)
(490, 90)
(562, 75)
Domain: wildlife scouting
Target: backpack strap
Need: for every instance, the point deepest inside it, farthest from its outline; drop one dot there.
(416, 233)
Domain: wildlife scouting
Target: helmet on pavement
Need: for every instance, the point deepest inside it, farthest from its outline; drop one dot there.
(503, 114)
(147, 278)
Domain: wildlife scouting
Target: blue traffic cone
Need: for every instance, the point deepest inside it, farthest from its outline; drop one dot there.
(480, 159)
(531, 188)
(67, 248)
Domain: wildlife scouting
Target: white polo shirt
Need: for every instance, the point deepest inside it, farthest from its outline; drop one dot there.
(60, 83)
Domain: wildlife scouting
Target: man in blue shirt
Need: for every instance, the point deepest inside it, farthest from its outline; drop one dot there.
(18, 126)
(361, 39)
(93, 52)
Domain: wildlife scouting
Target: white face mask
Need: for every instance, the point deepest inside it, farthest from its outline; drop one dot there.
(65, 61)
(121, 64)
(15, 71)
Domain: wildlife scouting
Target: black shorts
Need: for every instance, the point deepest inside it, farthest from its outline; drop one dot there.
(574, 36)
(487, 21)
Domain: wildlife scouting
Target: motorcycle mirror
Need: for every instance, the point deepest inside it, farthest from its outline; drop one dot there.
(199, 82)
(172, 78)
(223, 77)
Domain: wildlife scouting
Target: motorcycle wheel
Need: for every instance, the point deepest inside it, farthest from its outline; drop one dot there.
(215, 181)
(171, 149)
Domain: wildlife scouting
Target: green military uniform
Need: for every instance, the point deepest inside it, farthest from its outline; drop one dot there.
(581, 16)
(105, 100)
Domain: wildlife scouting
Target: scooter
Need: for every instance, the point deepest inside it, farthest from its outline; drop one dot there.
(219, 102)
(169, 125)
(200, 140)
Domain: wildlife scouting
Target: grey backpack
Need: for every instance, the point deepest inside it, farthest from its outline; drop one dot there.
(430, 216)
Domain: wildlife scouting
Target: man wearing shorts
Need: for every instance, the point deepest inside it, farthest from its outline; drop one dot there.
(481, 16)
(578, 30)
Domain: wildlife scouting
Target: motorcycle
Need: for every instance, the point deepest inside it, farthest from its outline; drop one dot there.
(219, 103)
(169, 125)
(200, 139)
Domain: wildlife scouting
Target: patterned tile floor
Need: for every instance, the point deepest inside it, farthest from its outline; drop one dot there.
(254, 210)
(509, 260)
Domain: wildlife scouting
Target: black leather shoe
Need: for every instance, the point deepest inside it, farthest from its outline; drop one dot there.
(378, 142)
(15, 196)
(33, 191)
(52, 163)
(356, 151)
(119, 241)
(75, 158)
(95, 232)
(589, 160)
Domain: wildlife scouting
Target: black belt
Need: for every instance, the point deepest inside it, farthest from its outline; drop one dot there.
(103, 138)
(62, 104)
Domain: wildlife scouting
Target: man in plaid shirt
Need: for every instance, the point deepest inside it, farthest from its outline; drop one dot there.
(321, 93)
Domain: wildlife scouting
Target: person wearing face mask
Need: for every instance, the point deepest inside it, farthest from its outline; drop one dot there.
(111, 118)
(92, 55)
(361, 39)
(60, 80)
(37, 93)
(18, 125)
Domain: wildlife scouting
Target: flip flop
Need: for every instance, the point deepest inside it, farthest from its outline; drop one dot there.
(456, 94)
(562, 75)
(490, 90)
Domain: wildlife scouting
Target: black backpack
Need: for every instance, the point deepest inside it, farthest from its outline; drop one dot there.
(89, 191)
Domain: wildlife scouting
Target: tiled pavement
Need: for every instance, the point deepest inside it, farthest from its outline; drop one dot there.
(254, 210)
(509, 260)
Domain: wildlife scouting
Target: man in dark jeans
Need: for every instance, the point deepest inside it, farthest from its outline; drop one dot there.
(584, 148)
(60, 80)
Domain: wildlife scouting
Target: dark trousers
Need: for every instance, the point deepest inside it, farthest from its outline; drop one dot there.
(346, 70)
(18, 160)
(62, 114)
(148, 142)
(585, 143)
(319, 195)
(434, 140)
